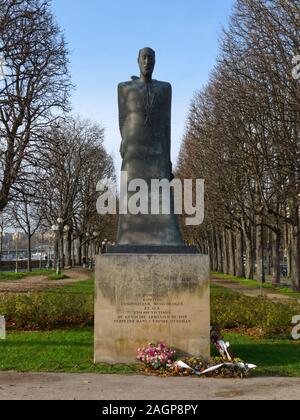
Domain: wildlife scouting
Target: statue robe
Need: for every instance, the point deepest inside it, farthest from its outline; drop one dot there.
(145, 125)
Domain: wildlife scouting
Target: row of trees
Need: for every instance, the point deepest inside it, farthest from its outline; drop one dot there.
(243, 138)
(69, 164)
(50, 162)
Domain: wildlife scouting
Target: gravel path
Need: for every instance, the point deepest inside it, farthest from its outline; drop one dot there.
(251, 291)
(45, 386)
(38, 283)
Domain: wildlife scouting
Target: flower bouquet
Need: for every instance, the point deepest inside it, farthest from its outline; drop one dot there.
(160, 360)
(157, 356)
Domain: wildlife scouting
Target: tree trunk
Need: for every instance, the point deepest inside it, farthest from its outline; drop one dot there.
(29, 260)
(276, 257)
(68, 251)
(239, 254)
(296, 258)
(269, 235)
(220, 255)
(289, 251)
(79, 251)
(211, 253)
(231, 253)
(214, 251)
(62, 251)
(74, 252)
(260, 251)
(249, 260)
(249, 255)
(247, 231)
(56, 249)
(85, 254)
(1, 244)
(225, 252)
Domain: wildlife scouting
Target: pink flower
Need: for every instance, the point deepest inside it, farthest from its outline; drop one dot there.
(158, 355)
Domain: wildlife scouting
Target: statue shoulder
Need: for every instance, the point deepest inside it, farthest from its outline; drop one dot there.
(165, 88)
(165, 85)
(123, 85)
(134, 80)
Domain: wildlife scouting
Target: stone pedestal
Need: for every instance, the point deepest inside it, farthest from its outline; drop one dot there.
(143, 299)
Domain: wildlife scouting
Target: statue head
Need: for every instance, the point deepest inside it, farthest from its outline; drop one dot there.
(146, 62)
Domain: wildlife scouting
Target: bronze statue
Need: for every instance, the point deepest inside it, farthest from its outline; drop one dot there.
(145, 124)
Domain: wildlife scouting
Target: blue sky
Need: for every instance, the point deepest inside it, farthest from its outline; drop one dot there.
(104, 38)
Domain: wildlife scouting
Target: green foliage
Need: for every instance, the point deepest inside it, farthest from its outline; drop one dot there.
(65, 306)
(73, 305)
(45, 311)
(21, 275)
(232, 310)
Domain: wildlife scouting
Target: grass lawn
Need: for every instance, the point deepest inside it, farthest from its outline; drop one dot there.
(86, 287)
(273, 357)
(55, 351)
(257, 285)
(21, 275)
(72, 351)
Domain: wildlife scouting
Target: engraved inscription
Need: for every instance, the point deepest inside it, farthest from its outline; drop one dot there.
(151, 310)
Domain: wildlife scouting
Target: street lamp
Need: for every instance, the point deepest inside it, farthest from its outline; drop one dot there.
(55, 229)
(95, 237)
(67, 251)
(16, 237)
(104, 246)
(59, 229)
(49, 236)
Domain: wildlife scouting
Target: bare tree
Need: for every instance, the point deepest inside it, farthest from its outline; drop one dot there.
(74, 160)
(25, 215)
(35, 87)
(243, 138)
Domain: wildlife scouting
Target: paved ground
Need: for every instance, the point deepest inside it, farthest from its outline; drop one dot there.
(251, 291)
(15, 386)
(38, 283)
